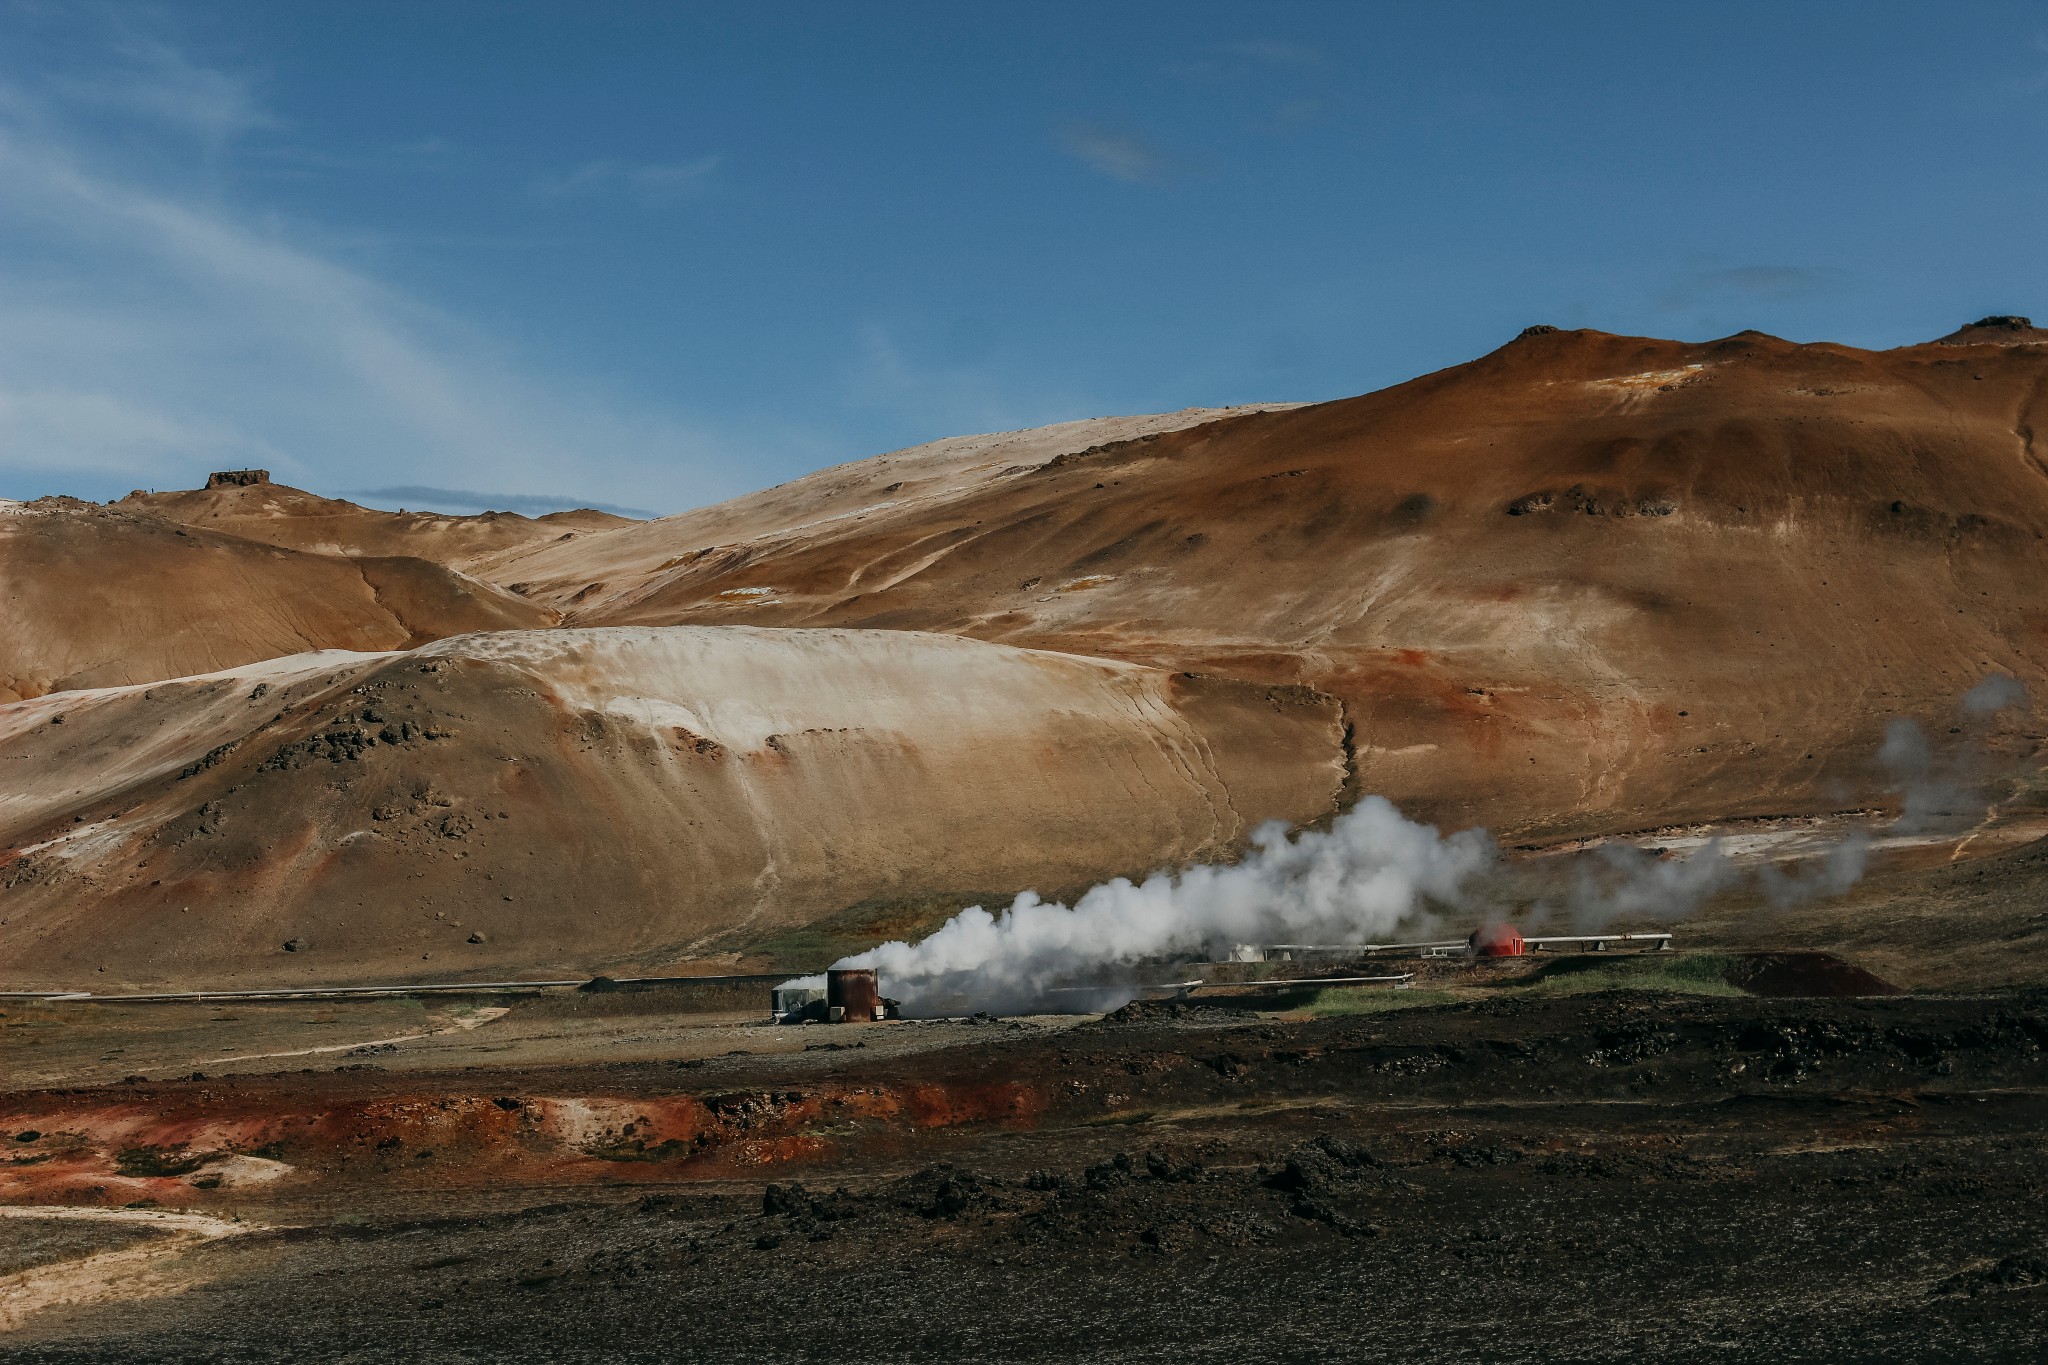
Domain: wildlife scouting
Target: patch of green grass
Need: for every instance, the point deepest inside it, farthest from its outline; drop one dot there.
(1343, 1000)
(1677, 973)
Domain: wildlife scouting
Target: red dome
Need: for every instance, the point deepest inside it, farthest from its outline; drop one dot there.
(1497, 940)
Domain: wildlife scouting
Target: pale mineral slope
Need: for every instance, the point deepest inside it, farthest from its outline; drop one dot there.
(1585, 582)
(589, 800)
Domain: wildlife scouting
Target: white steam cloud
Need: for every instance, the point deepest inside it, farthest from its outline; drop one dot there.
(1621, 880)
(1936, 784)
(1372, 872)
(1832, 875)
(1995, 693)
(1374, 876)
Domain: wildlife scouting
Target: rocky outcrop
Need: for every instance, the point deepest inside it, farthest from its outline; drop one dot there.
(2005, 329)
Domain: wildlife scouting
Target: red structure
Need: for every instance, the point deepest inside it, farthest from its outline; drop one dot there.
(852, 996)
(1497, 940)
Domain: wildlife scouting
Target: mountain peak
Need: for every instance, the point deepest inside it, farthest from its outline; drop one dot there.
(2000, 329)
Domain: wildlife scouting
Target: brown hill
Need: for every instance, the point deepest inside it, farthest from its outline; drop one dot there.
(604, 571)
(101, 596)
(569, 801)
(1587, 581)
(277, 514)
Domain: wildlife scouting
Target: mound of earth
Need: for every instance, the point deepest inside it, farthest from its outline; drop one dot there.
(104, 596)
(1584, 582)
(1805, 974)
(572, 800)
(277, 514)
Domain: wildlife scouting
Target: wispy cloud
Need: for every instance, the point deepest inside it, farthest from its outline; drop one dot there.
(419, 156)
(1258, 61)
(152, 327)
(420, 496)
(1277, 73)
(944, 397)
(149, 78)
(653, 179)
(1119, 153)
(2038, 81)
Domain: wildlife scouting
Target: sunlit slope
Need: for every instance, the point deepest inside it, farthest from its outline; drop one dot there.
(608, 572)
(99, 596)
(278, 514)
(1587, 581)
(575, 800)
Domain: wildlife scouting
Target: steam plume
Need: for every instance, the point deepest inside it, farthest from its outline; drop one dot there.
(1621, 879)
(1375, 875)
(1937, 784)
(1838, 870)
(1372, 872)
(1995, 693)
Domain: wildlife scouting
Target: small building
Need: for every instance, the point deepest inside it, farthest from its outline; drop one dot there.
(796, 1004)
(1497, 940)
(850, 995)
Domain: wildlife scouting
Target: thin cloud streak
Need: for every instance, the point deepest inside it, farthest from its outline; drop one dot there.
(657, 179)
(1117, 153)
(158, 83)
(147, 336)
(934, 399)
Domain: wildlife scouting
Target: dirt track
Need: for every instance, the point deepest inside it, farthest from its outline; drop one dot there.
(1591, 1177)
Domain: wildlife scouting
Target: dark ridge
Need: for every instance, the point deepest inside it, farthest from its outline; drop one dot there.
(2000, 329)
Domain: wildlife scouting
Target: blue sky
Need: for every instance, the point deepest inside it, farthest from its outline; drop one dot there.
(653, 255)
